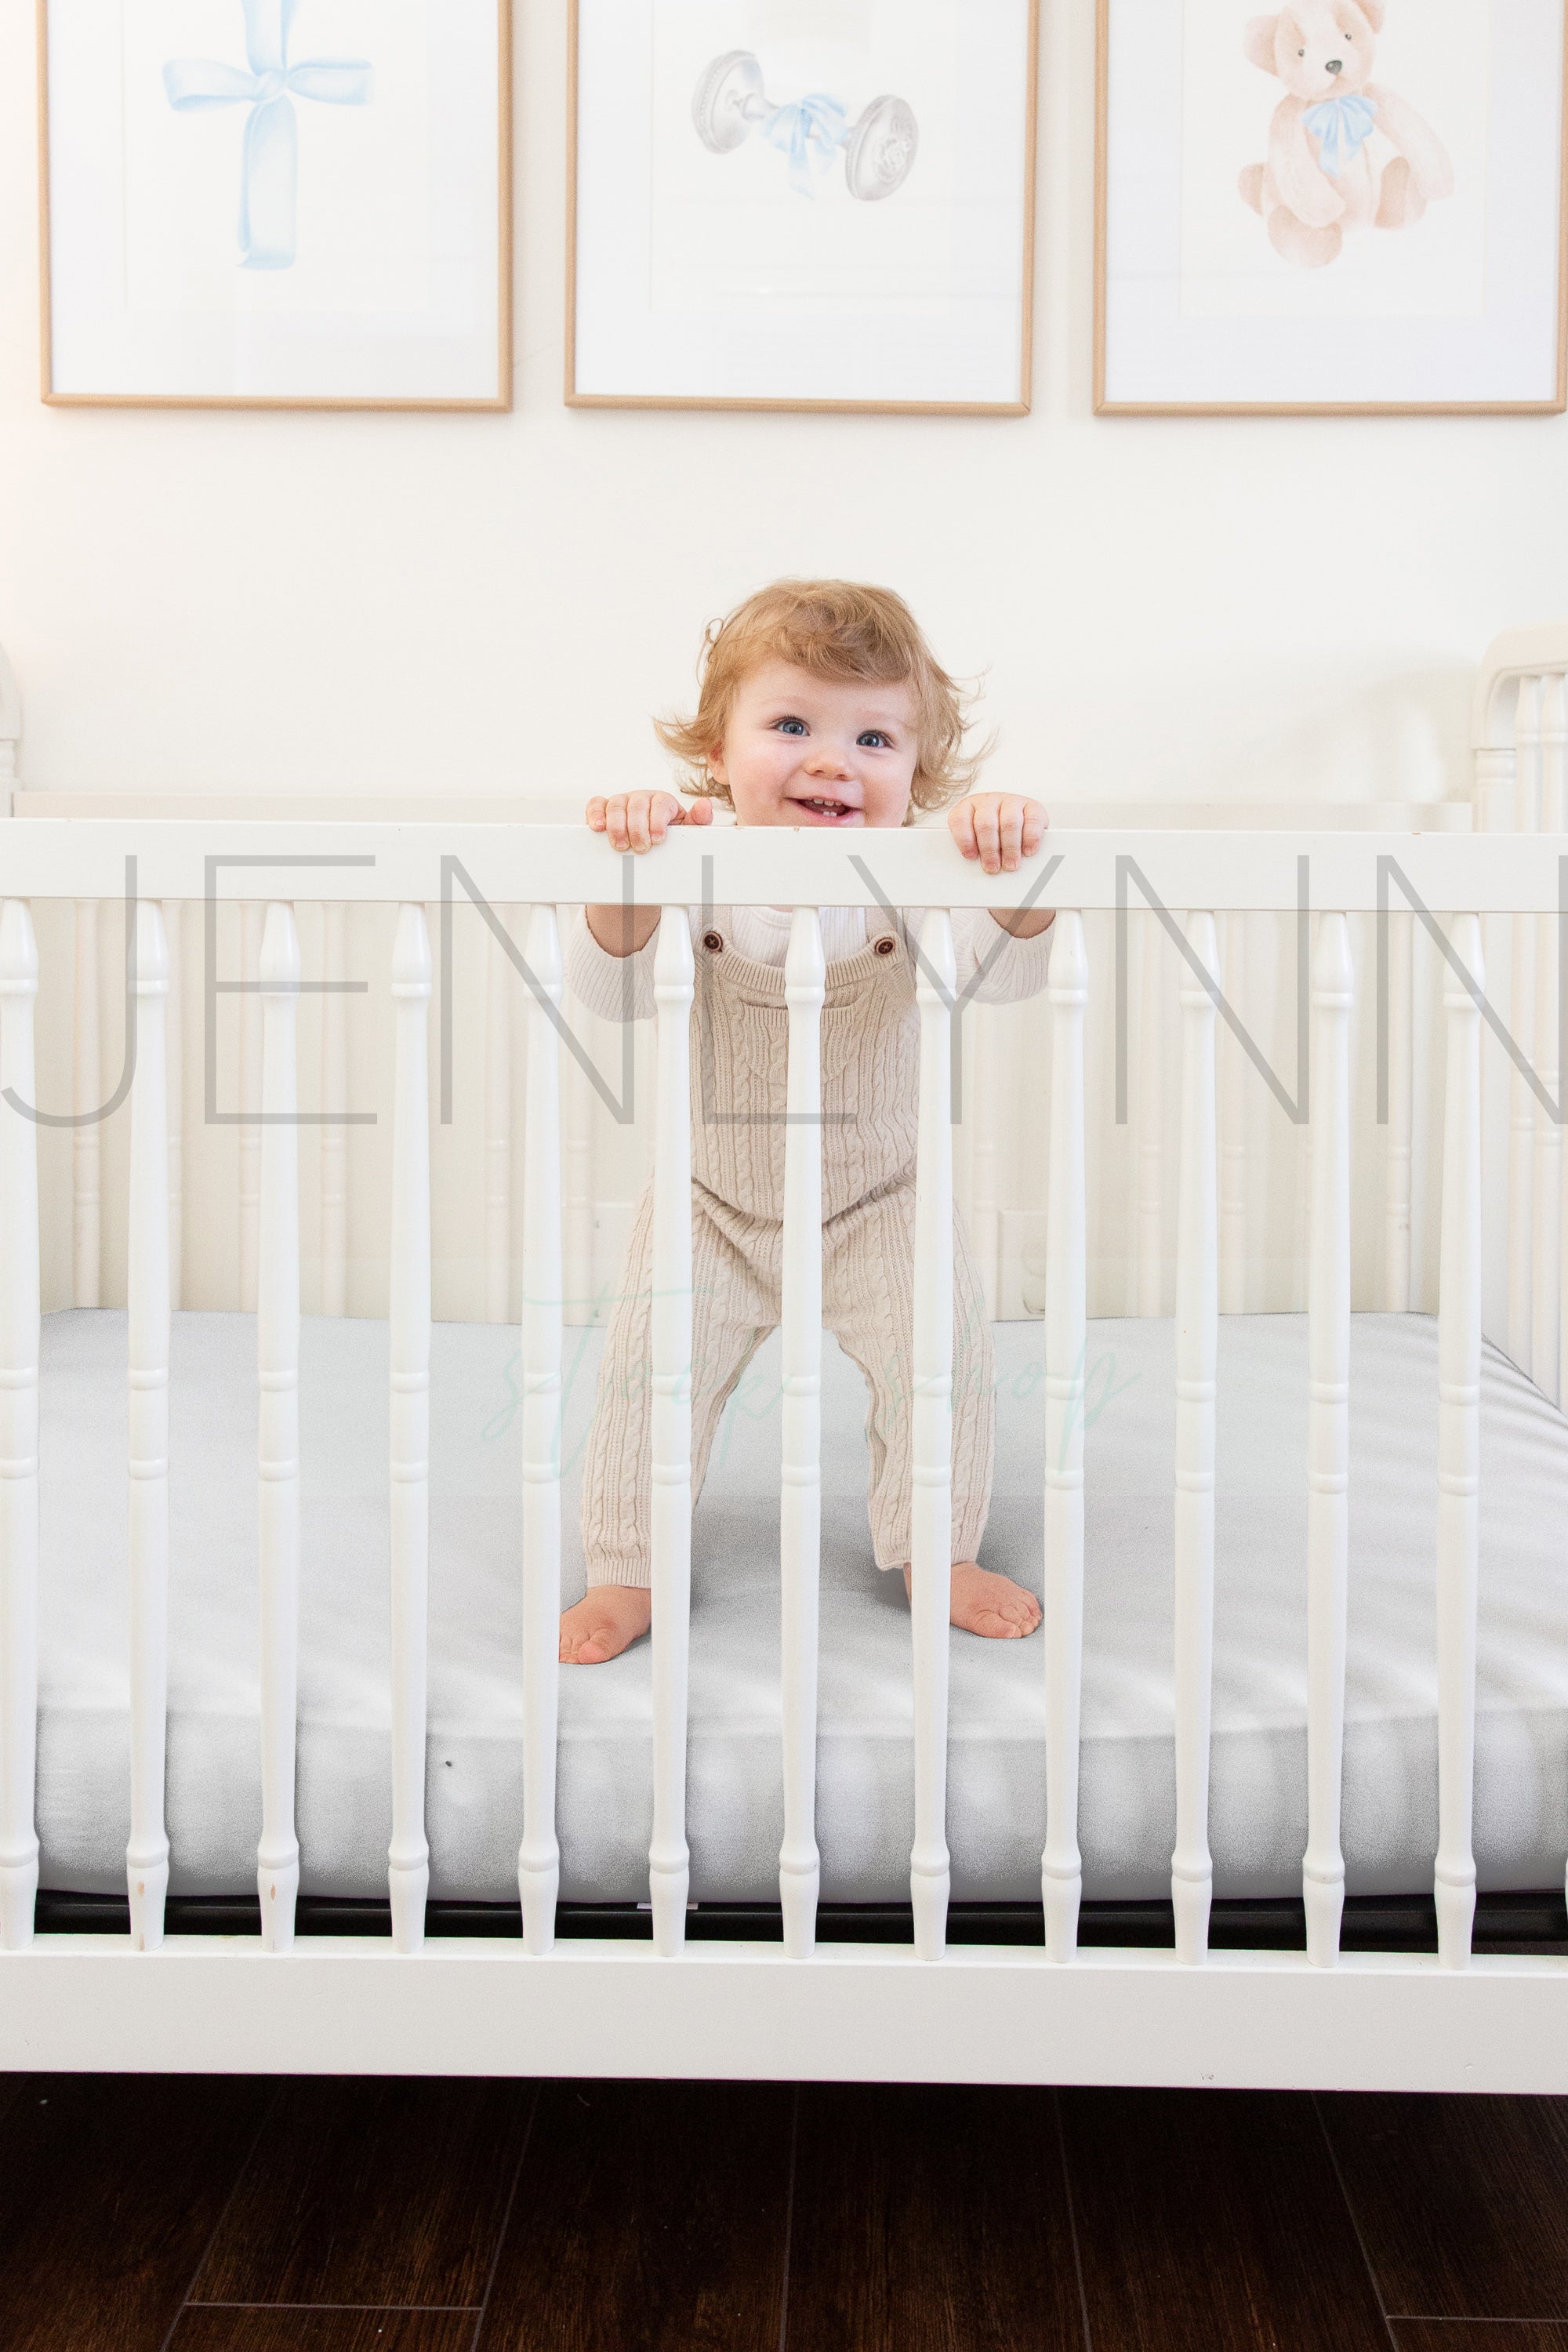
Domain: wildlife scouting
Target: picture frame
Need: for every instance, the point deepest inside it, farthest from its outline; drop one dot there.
(1283, 232)
(369, 263)
(700, 273)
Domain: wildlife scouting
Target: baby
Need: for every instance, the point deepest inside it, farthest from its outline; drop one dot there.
(821, 705)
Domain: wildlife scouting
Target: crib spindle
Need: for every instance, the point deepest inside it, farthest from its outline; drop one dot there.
(87, 1092)
(669, 1861)
(251, 915)
(1197, 1340)
(333, 1168)
(19, 1332)
(408, 1857)
(278, 1434)
(1328, 1435)
(1521, 1025)
(800, 1492)
(1399, 1162)
(1459, 1449)
(930, 1499)
(147, 1301)
(539, 1857)
(1067, 1349)
(1151, 1125)
(175, 1085)
(1233, 1126)
(577, 1162)
(498, 1127)
(1546, 1239)
(988, 1107)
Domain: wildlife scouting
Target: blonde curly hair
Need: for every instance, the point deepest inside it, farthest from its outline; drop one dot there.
(836, 629)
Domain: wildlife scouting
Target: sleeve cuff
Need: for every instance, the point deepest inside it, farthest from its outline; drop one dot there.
(618, 988)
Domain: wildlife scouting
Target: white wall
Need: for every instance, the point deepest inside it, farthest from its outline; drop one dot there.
(232, 601)
(407, 604)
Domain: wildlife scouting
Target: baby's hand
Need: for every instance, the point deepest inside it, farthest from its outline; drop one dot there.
(998, 828)
(638, 820)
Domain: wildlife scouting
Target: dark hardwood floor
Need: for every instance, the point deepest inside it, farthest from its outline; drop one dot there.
(147, 2214)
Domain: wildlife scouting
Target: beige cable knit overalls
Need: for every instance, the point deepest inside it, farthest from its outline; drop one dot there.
(870, 1084)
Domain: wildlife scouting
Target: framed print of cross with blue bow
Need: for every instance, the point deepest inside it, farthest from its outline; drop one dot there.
(277, 203)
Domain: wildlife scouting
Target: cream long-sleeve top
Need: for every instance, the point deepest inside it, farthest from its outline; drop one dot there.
(1014, 967)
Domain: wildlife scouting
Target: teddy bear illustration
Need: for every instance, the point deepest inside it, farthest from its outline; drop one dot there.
(1323, 176)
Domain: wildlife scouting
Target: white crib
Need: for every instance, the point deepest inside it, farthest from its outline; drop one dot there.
(1064, 2010)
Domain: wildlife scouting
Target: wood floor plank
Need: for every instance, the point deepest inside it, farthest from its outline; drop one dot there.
(372, 2191)
(275, 2327)
(649, 2217)
(1462, 2201)
(110, 2185)
(931, 2218)
(1213, 2221)
(1480, 2336)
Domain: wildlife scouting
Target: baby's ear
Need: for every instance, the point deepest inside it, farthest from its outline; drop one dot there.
(1257, 41)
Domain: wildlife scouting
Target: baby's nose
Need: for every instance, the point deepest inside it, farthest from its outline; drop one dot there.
(1334, 65)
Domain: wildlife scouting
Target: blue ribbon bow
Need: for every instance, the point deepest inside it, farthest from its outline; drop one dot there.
(269, 159)
(1342, 126)
(811, 133)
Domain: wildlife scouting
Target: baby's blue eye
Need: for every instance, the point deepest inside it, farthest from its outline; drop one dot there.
(875, 735)
(791, 726)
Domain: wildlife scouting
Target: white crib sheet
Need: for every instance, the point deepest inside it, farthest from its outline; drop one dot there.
(996, 1801)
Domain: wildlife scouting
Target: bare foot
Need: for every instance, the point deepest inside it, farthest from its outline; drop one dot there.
(987, 1604)
(608, 1620)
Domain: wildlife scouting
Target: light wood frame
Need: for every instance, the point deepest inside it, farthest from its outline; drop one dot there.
(1019, 407)
(503, 393)
(1103, 408)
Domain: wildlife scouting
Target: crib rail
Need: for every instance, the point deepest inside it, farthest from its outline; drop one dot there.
(1446, 882)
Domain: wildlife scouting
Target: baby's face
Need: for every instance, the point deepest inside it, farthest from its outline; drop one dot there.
(795, 742)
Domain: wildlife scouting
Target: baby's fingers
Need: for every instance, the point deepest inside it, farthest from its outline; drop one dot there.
(1036, 824)
(989, 834)
(961, 824)
(640, 819)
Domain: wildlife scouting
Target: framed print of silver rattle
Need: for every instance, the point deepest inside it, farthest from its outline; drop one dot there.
(754, 222)
(879, 148)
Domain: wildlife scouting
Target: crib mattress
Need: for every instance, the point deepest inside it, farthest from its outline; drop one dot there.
(865, 1814)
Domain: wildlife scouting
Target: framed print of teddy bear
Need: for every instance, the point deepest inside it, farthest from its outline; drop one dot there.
(1343, 206)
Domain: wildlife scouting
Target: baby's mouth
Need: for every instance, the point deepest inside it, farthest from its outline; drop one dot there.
(830, 812)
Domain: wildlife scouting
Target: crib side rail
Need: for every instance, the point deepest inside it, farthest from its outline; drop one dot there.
(1448, 883)
(370, 863)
